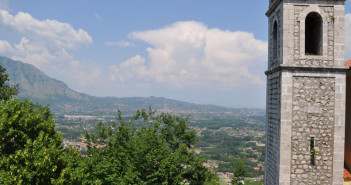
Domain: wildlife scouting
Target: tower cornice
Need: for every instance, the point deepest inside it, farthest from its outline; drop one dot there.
(274, 3)
(310, 69)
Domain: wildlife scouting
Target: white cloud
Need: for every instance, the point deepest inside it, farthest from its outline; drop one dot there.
(121, 43)
(31, 52)
(185, 54)
(348, 36)
(45, 44)
(5, 47)
(128, 69)
(51, 32)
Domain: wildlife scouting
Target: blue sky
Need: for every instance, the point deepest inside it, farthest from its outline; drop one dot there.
(207, 52)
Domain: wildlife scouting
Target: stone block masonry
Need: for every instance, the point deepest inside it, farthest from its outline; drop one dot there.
(273, 128)
(313, 117)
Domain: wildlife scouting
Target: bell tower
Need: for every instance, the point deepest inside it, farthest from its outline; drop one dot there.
(306, 92)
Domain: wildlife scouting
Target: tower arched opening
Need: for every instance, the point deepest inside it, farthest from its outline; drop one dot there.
(313, 34)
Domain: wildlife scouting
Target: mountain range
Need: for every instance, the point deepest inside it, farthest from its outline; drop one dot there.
(39, 87)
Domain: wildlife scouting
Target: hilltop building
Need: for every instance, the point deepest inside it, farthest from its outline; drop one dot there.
(307, 83)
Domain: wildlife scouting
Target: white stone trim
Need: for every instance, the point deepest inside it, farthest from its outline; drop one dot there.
(285, 128)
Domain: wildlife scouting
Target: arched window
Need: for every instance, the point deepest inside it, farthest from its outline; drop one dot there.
(275, 40)
(313, 34)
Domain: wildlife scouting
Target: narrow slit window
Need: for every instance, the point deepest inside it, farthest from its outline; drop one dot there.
(313, 34)
(312, 143)
(313, 151)
(275, 41)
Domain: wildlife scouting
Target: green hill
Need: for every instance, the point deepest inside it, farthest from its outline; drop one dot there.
(37, 86)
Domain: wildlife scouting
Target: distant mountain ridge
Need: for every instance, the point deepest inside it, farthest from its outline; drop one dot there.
(37, 86)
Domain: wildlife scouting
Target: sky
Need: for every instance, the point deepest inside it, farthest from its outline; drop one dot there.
(205, 52)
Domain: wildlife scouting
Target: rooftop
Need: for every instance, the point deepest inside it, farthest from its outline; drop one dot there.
(347, 173)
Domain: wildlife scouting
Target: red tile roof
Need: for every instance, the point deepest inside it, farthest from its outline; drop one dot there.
(348, 63)
(347, 173)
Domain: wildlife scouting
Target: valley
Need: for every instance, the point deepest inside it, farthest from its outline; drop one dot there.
(220, 136)
(222, 133)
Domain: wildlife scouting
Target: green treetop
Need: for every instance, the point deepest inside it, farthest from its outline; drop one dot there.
(30, 150)
(160, 152)
(6, 91)
(239, 171)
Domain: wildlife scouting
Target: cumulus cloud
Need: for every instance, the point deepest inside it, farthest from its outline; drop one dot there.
(121, 43)
(189, 53)
(128, 69)
(35, 54)
(5, 47)
(46, 44)
(51, 32)
(348, 36)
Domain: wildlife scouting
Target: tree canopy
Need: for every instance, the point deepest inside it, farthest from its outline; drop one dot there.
(239, 171)
(6, 91)
(30, 150)
(158, 152)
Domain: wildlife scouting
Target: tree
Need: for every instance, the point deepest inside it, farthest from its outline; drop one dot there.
(158, 152)
(239, 171)
(30, 150)
(6, 91)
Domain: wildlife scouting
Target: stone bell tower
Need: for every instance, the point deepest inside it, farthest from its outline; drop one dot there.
(306, 86)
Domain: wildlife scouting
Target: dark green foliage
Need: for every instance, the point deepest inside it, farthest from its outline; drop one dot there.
(157, 153)
(6, 91)
(20, 121)
(30, 150)
(239, 171)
